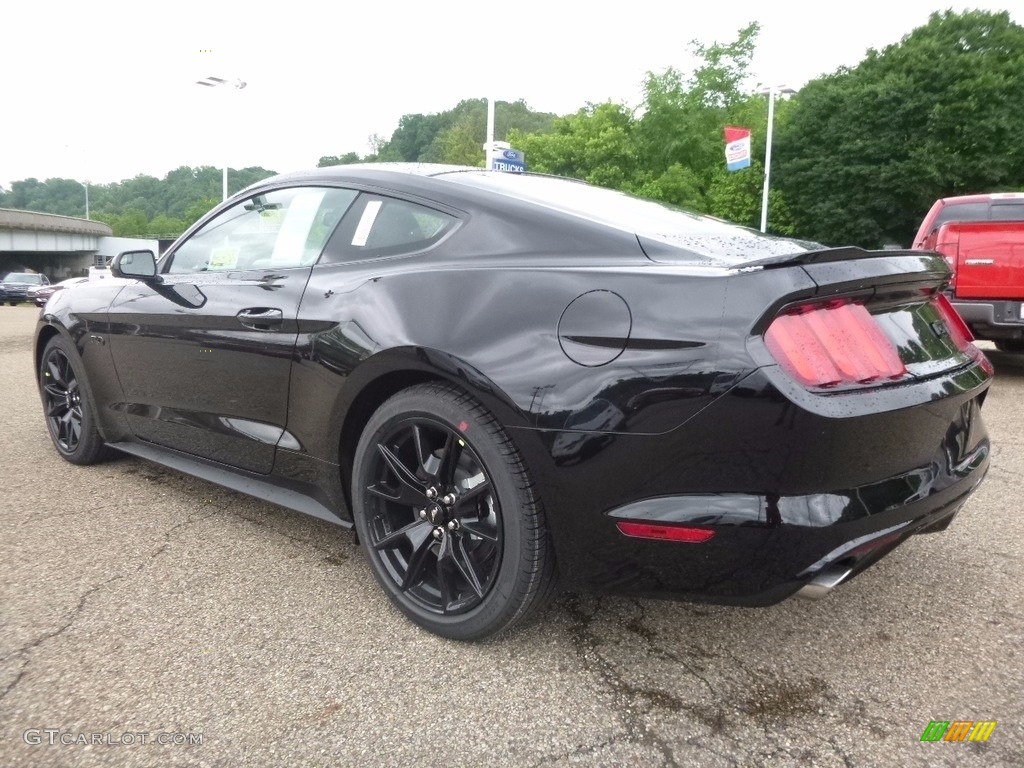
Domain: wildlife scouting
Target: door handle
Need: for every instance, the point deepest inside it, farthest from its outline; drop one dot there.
(261, 318)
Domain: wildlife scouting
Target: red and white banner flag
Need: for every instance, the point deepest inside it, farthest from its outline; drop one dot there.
(737, 148)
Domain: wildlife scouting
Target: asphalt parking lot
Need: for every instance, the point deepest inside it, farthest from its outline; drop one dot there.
(140, 605)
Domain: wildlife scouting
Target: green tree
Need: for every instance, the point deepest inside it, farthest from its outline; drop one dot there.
(347, 159)
(671, 147)
(596, 144)
(447, 137)
(865, 151)
(165, 225)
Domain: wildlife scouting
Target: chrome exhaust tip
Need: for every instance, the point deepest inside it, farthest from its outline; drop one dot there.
(824, 583)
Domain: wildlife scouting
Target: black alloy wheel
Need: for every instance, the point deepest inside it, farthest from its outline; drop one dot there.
(66, 405)
(435, 522)
(451, 529)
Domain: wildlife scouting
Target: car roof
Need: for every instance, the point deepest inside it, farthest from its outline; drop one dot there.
(959, 200)
(370, 170)
(690, 237)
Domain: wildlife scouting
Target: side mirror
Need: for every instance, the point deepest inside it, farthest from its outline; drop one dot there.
(140, 265)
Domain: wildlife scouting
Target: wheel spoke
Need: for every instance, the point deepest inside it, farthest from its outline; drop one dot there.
(55, 390)
(55, 373)
(466, 567)
(449, 460)
(64, 430)
(403, 495)
(421, 451)
(472, 494)
(443, 579)
(480, 532)
(407, 479)
(395, 537)
(416, 564)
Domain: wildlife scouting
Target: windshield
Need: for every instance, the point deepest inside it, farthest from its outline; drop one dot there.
(23, 277)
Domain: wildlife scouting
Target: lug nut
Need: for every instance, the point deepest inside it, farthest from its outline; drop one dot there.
(449, 499)
(423, 514)
(453, 525)
(431, 493)
(438, 533)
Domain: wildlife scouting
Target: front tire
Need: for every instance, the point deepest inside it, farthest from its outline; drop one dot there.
(67, 405)
(451, 525)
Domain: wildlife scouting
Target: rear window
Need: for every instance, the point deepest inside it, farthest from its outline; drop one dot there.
(961, 212)
(689, 237)
(1008, 211)
(380, 226)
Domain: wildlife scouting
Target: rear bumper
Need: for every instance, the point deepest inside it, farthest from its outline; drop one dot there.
(794, 493)
(766, 549)
(992, 318)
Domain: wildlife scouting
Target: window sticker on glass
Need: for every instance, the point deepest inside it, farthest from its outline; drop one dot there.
(366, 223)
(271, 219)
(290, 246)
(223, 258)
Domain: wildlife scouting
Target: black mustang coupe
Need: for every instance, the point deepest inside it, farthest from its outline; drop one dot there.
(495, 378)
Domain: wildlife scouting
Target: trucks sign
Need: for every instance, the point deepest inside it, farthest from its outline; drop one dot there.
(509, 160)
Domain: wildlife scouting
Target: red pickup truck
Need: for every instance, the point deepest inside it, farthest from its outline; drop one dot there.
(982, 238)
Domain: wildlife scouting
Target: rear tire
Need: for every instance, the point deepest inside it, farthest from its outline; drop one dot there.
(450, 523)
(68, 405)
(1010, 345)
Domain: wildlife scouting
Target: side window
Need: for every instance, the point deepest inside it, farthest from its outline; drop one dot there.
(279, 229)
(384, 226)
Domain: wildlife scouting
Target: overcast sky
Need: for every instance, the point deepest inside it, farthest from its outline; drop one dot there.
(106, 90)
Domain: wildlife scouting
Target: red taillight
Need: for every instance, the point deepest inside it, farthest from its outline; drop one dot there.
(949, 246)
(827, 345)
(958, 330)
(960, 334)
(664, 532)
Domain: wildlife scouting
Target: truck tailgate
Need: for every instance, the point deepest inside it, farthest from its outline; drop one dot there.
(989, 258)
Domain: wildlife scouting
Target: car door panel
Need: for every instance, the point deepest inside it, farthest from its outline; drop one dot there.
(201, 379)
(203, 352)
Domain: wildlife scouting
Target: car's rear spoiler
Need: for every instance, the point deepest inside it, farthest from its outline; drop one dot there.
(823, 256)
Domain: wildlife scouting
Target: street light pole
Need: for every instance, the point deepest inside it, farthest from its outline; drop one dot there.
(771, 92)
(214, 82)
(86, 185)
(489, 144)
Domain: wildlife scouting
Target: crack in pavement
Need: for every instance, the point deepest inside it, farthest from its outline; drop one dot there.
(637, 627)
(25, 651)
(37, 518)
(629, 697)
(581, 752)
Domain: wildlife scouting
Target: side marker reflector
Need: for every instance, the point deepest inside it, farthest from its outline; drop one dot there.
(664, 532)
